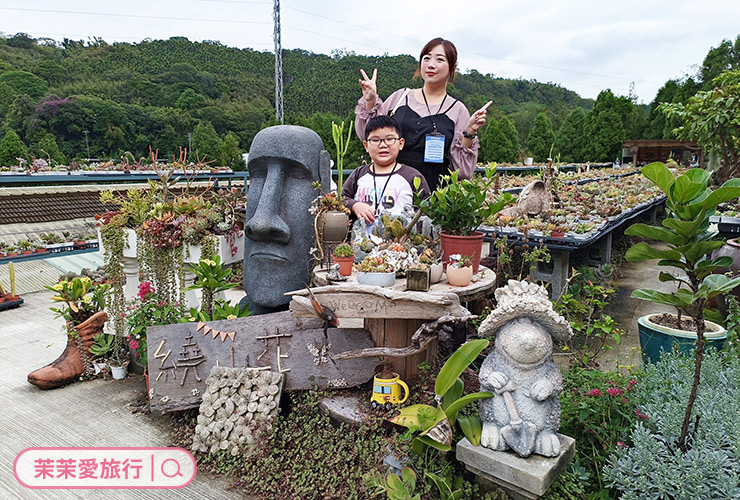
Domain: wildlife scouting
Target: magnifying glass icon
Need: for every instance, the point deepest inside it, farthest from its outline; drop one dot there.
(178, 473)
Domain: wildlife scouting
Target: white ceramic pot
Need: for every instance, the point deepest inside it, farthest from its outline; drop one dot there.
(118, 372)
(435, 272)
(376, 279)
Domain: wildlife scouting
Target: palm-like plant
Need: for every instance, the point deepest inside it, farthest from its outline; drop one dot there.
(686, 232)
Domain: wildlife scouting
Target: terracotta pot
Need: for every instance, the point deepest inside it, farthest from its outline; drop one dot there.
(459, 276)
(345, 264)
(463, 245)
(334, 226)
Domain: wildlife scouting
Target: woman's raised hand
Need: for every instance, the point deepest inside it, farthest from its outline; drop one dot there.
(478, 119)
(369, 88)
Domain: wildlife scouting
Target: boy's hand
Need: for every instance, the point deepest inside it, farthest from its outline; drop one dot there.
(364, 211)
(478, 119)
(369, 88)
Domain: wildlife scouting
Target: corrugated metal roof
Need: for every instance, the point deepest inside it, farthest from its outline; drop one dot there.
(33, 275)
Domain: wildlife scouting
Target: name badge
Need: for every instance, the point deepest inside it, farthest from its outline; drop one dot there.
(434, 149)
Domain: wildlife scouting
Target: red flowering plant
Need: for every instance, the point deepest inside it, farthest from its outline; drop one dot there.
(149, 309)
(599, 410)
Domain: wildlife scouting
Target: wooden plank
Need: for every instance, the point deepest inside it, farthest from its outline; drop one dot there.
(181, 356)
(359, 301)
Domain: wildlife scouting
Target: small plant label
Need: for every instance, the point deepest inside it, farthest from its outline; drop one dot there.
(181, 356)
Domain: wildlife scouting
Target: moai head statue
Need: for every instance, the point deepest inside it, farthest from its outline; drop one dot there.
(284, 162)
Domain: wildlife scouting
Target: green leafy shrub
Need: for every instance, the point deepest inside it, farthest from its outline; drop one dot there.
(655, 467)
(598, 410)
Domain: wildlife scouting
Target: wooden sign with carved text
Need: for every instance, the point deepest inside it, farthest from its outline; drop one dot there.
(181, 355)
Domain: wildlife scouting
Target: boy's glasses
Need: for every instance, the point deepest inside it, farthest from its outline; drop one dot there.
(390, 141)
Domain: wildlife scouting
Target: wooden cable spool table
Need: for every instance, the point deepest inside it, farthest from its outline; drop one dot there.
(391, 314)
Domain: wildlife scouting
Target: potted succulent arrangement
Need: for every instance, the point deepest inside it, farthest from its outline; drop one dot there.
(460, 270)
(101, 348)
(25, 247)
(459, 206)
(432, 258)
(331, 216)
(375, 270)
(344, 255)
(418, 277)
(689, 240)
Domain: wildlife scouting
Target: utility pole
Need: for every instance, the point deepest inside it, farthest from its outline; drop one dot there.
(87, 143)
(278, 64)
(190, 141)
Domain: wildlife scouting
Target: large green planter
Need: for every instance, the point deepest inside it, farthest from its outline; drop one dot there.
(655, 339)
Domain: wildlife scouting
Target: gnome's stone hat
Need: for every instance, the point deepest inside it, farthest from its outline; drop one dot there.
(521, 299)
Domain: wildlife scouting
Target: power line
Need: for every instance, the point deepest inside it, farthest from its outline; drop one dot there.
(420, 42)
(135, 16)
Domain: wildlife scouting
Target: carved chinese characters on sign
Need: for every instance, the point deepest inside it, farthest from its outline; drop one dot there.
(182, 355)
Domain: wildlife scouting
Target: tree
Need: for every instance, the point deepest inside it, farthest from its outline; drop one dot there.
(486, 151)
(719, 59)
(541, 138)
(12, 148)
(570, 139)
(229, 154)
(14, 83)
(47, 148)
(206, 143)
(606, 127)
(712, 119)
(495, 143)
(510, 132)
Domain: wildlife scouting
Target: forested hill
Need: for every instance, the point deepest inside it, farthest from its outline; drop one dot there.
(128, 96)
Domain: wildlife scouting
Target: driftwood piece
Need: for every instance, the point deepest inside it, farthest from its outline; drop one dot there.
(360, 301)
(419, 341)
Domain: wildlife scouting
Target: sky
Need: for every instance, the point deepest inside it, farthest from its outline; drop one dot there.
(631, 47)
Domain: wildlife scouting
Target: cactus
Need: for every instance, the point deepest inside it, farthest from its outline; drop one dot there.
(397, 228)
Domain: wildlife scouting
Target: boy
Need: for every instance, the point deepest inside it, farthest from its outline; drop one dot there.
(385, 184)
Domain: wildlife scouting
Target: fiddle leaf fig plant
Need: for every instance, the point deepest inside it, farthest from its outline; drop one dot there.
(686, 240)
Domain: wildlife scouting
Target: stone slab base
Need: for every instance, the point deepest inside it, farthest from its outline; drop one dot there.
(520, 478)
(344, 409)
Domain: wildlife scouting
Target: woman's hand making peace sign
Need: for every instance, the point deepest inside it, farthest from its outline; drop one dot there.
(369, 88)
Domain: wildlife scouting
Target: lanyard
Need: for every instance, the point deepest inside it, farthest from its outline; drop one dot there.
(379, 198)
(434, 123)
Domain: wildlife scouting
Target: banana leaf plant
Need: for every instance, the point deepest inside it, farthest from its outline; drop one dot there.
(686, 243)
(436, 422)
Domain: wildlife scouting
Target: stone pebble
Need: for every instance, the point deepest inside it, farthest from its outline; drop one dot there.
(235, 397)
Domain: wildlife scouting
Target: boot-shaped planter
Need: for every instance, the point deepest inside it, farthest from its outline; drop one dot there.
(69, 366)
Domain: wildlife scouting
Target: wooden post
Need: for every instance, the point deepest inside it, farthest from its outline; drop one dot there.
(397, 333)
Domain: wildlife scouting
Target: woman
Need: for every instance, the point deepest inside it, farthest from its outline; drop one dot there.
(439, 132)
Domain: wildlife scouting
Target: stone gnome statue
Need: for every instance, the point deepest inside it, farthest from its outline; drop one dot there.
(524, 414)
